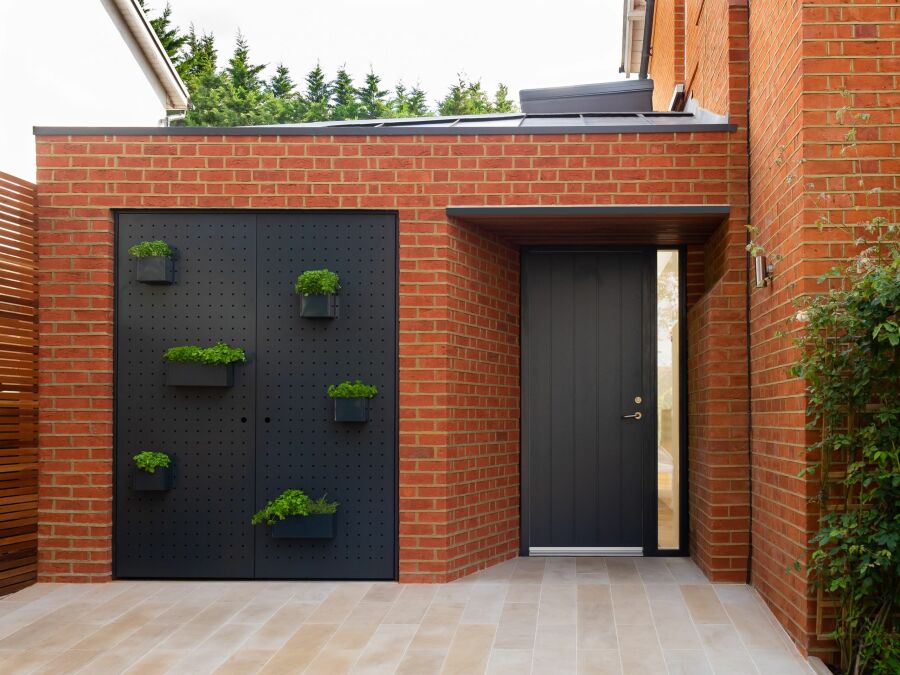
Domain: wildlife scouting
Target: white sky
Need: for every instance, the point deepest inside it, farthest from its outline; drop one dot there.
(523, 43)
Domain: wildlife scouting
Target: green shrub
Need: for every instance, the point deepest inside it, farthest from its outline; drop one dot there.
(220, 354)
(350, 389)
(151, 249)
(317, 282)
(322, 505)
(151, 461)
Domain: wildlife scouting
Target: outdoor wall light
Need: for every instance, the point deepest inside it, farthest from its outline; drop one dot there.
(763, 272)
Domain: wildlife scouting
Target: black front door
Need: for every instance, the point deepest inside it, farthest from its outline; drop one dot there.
(586, 405)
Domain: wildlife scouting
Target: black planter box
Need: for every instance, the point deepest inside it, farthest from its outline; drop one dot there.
(351, 410)
(199, 374)
(159, 481)
(155, 270)
(319, 306)
(315, 526)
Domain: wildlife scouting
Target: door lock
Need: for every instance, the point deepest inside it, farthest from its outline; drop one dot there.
(633, 416)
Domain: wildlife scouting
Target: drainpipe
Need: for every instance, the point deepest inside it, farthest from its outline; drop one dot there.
(648, 36)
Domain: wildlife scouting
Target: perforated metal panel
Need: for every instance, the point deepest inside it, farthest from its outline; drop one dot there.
(235, 448)
(298, 442)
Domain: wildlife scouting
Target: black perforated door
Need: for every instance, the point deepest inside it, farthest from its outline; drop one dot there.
(235, 448)
(200, 528)
(298, 442)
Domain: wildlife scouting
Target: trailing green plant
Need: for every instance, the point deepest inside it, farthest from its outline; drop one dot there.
(322, 506)
(350, 389)
(151, 249)
(219, 354)
(317, 282)
(850, 361)
(293, 503)
(151, 461)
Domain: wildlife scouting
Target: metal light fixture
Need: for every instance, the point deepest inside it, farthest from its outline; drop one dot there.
(763, 272)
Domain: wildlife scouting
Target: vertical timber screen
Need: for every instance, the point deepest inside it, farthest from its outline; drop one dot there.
(18, 385)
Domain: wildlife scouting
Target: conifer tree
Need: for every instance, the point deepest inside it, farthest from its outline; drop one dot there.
(372, 99)
(502, 102)
(318, 95)
(344, 96)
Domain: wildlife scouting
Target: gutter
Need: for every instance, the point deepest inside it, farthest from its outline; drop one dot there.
(136, 21)
(648, 37)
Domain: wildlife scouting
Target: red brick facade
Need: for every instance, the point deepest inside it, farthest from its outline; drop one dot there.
(459, 403)
(459, 285)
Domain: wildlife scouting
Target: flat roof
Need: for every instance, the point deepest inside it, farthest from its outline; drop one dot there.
(463, 125)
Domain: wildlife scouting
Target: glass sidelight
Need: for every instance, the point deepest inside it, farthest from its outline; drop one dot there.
(668, 392)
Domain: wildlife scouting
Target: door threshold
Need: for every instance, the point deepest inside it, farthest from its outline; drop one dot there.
(585, 551)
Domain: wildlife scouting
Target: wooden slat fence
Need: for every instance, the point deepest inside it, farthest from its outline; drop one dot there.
(18, 385)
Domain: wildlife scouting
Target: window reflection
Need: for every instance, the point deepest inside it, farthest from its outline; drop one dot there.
(668, 395)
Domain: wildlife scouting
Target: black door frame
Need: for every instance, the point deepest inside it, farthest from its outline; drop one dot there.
(649, 452)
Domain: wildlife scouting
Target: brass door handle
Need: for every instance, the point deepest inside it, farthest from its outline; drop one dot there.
(633, 416)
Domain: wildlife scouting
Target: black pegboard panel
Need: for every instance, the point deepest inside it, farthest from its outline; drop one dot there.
(298, 443)
(200, 528)
(238, 447)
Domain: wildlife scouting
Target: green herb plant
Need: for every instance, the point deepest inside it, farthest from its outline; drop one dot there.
(151, 249)
(352, 390)
(151, 461)
(322, 506)
(292, 503)
(220, 354)
(317, 282)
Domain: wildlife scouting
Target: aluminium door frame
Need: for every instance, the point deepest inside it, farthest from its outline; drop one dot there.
(116, 212)
(649, 460)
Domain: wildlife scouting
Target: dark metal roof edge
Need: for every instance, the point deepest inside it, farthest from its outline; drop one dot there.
(385, 131)
(600, 210)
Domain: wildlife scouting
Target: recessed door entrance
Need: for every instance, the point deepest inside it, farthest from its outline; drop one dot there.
(588, 403)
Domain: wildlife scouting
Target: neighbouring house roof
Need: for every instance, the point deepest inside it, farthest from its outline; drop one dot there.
(154, 53)
(465, 125)
(633, 13)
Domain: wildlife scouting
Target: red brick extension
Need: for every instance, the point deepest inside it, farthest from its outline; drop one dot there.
(459, 286)
(459, 358)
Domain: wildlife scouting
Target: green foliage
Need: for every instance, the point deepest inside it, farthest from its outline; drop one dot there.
(239, 95)
(850, 360)
(352, 390)
(372, 99)
(317, 282)
(151, 249)
(345, 106)
(322, 506)
(469, 98)
(220, 354)
(293, 503)
(288, 503)
(151, 461)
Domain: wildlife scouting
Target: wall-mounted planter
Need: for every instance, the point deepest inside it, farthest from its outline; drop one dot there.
(319, 306)
(351, 410)
(313, 526)
(179, 374)
(155, 270)
(162, 479)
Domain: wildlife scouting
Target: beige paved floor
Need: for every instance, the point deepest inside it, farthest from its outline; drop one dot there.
(539, 615)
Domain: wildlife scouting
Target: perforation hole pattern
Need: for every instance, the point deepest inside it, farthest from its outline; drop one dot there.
(234, 276)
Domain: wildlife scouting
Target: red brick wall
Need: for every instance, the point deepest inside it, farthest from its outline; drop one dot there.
(667, 60)
(779, 505)
(458, 303)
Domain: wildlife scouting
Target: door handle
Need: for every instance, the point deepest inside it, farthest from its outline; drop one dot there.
(633, 416)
